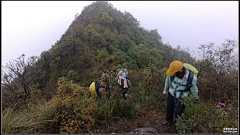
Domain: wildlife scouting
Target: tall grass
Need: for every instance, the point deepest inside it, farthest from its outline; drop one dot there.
(25, 120)
(106, 108)
(117, 107)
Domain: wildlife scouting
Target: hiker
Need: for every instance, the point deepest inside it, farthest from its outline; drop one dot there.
(107, 71)
(176, 83)
(123, 82)
(100, 87)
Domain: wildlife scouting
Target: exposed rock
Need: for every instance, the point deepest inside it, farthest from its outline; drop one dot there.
(146, 130)
(157, 121)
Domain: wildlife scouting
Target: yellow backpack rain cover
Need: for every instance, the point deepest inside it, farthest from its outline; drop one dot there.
(92, 89)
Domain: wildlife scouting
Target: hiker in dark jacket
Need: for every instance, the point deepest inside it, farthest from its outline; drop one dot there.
(177, 89)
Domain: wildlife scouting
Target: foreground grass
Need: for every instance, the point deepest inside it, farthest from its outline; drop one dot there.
(25, 120)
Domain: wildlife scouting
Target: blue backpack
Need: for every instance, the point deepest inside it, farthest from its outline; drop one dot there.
(127, 77)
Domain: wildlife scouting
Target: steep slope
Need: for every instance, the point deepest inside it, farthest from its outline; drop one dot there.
(100, 37)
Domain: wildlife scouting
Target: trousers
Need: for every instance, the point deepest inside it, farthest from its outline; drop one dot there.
(170, 108)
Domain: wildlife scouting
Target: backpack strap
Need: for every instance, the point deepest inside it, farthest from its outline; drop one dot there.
(189, 81)
(188, 85)
(190, 78)
(97, 86)
(172, 78)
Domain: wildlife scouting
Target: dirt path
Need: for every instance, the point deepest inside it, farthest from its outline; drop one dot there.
(123, 125)
(154, 119)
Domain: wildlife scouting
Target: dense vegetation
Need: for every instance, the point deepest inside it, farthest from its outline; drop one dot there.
(49, 92)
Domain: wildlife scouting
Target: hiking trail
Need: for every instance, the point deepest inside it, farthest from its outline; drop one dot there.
(148, 121)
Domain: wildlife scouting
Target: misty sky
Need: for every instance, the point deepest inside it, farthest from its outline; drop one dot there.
(30, 27)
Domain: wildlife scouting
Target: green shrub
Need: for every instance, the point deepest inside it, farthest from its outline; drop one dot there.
(205, 117)
(135, 110)
(72, 76)
(73, 108)
(187, 123)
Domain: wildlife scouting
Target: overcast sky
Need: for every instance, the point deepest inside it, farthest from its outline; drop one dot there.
(30, 27)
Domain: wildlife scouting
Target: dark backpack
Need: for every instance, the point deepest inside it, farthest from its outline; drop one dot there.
(188, 86)
(97, 86)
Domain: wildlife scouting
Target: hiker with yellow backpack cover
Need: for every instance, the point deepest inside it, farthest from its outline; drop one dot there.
(180, 81)
(100, 88)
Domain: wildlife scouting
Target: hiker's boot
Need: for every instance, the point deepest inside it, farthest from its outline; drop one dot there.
(165, 122)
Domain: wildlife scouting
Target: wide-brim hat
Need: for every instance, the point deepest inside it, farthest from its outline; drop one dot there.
(174, 67)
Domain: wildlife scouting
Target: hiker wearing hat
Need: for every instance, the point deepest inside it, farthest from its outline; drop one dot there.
(100, 87)
(180, 82)
(104, 88)
(123, 82)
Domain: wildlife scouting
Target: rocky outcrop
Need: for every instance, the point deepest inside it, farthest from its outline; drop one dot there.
(146, 130)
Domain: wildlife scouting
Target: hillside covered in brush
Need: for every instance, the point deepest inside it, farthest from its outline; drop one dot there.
(100, 37)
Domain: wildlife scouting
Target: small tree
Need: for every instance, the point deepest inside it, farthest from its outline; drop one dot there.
(217, 64)
(220, 56)
(18, 78)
